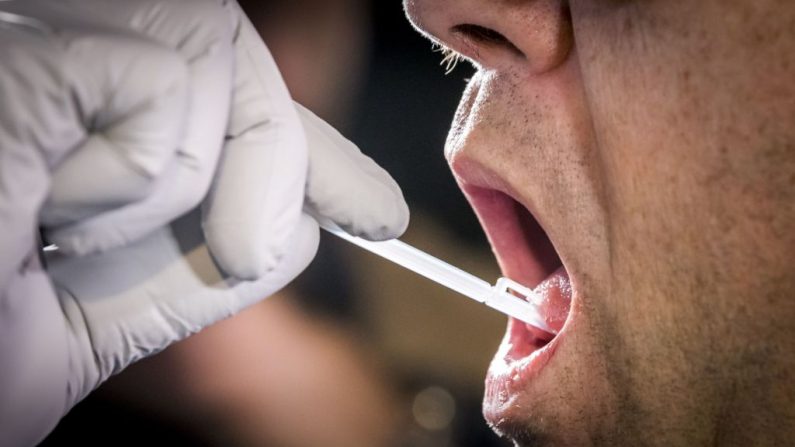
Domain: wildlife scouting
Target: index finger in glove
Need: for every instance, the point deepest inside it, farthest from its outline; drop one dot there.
(58, 107)
(201, 31)
(132, 95)
(102, 105)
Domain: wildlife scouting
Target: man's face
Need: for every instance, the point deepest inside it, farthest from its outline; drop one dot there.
(635, 160)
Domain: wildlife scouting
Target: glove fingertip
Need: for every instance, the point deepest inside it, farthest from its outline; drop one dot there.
(389, 221)
(393, 223)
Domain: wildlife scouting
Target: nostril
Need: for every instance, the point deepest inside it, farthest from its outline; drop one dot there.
(483, 36)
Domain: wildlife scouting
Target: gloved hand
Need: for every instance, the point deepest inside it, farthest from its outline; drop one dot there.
(113, 118)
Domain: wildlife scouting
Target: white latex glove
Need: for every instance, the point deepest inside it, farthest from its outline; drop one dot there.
(113, 117)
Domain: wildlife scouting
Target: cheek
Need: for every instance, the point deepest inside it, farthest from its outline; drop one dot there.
(687, 114)
(687, 101)
(649, 138)
(647, 107)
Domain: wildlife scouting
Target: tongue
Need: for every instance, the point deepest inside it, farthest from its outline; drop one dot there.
(554, 294)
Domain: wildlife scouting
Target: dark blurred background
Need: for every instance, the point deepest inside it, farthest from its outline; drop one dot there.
(357, 352)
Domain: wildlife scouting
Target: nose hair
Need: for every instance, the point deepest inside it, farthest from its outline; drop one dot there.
(535, 34)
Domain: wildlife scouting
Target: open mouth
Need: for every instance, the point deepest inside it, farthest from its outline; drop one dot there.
(527, 255)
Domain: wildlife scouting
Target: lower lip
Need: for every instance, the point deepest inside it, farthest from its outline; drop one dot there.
(525, 351)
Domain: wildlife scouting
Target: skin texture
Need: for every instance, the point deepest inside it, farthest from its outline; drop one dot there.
(655, 142)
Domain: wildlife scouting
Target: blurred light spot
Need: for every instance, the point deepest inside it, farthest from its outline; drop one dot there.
(433, 408)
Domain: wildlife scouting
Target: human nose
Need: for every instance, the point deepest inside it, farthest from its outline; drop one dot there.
(532, 35)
